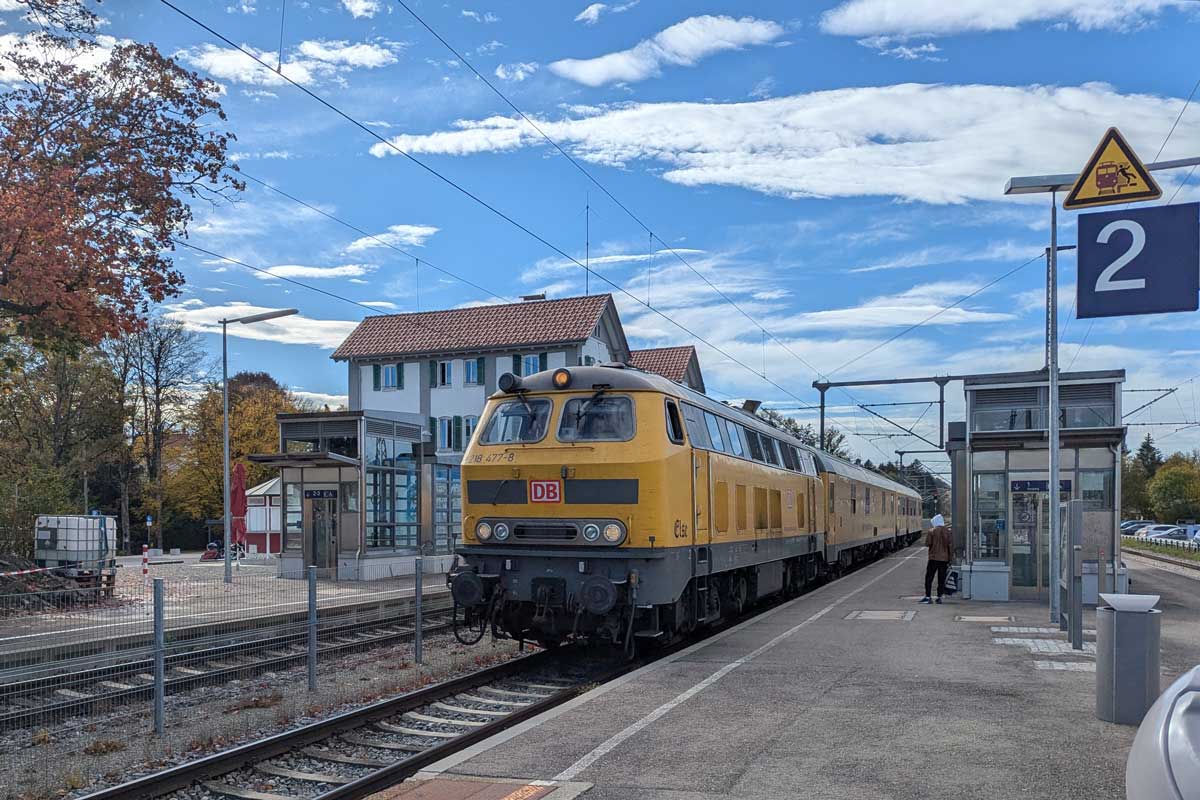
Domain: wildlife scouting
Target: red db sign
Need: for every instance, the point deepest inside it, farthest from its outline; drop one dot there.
(545, 492)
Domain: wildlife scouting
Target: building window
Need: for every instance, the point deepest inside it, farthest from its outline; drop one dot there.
(531, 364)
(445, 373)
(390, 380)
(469, 426)
(445, 434)
(473, 371)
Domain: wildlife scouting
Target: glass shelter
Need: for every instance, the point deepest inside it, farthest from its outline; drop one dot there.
(361, 494)
(1003, 494)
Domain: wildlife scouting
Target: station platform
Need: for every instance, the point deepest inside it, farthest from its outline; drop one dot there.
(851, 692)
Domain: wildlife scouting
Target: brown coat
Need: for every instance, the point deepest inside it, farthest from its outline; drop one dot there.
(940, 543)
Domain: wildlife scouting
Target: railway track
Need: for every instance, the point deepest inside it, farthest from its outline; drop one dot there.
(30, 701)
(360, 752)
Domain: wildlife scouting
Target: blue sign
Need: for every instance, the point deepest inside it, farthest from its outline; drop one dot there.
(1139, 261)
(321, 494)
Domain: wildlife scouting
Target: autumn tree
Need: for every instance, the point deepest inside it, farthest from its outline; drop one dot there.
(835, 440)
(1174, 490)
(102, 149)
(195, 483)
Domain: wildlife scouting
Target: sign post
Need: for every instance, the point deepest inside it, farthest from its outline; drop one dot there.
(1113, 174)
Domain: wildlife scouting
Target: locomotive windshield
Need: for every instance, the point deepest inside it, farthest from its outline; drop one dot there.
(601, 418)
(517, 421)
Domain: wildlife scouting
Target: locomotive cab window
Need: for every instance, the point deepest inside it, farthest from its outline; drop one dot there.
(697, 431)
(714, 431)
(517, 421)
(756, 449)
(731, 435)
(606, 418)
(674, 423)
(769, 450)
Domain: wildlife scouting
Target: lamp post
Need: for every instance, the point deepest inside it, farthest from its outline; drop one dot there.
(226, 519)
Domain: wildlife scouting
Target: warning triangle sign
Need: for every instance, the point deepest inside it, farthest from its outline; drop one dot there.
(1114, 174)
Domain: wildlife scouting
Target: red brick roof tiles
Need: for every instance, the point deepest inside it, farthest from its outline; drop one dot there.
(670, 362)
(526, 324)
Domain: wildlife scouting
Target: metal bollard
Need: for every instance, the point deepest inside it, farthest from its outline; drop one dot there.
(312, 628)
(417, 632)
(160, 667)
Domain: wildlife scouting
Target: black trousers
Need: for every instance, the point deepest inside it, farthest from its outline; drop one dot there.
(940, 568)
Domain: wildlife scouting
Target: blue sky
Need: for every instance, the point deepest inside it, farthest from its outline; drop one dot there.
(836, 168)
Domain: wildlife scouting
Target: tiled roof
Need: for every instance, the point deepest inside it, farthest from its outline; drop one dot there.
(527, 324)
(670, 362)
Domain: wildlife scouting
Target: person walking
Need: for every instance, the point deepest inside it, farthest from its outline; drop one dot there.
(941, 546)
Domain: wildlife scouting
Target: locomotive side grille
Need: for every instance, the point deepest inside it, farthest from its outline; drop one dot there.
(544, 533)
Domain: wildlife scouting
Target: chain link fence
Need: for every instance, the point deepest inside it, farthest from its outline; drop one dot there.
(95, 678)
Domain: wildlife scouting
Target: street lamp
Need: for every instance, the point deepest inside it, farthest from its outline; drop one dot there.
(286, 312)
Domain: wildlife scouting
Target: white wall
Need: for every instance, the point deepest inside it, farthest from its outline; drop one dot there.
(406, 400)
(597, 349)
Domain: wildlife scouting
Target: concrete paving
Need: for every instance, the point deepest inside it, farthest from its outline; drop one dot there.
(805, 703)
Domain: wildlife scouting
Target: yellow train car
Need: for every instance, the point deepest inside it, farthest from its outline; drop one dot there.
(613, 504)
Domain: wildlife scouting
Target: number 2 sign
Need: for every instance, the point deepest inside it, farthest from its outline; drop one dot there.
(1144, 261)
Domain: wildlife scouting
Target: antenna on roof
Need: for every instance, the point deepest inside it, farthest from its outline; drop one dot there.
(529, 297)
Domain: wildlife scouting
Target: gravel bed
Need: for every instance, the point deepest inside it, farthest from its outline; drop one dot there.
(251, 778)
(304, 763)
(204, 720)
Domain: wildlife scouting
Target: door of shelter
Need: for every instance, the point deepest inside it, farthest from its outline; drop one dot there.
(320, 527)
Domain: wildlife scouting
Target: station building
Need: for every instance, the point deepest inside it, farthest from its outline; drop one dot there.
(364, 490)
(1001, 486)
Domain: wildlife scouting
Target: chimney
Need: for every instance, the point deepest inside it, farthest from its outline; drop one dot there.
(531, 297)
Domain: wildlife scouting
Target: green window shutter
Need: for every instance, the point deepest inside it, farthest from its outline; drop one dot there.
(480, 366)
(543, 361)
(433, 431)
(516, 365)
(433, 373)
(376, 369)
(458, 434)
(399, 376)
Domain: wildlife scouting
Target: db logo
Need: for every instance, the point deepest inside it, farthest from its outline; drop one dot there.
(545, 492)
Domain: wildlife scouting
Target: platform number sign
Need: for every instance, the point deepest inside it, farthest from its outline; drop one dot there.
(1143, 261)
(545, 491)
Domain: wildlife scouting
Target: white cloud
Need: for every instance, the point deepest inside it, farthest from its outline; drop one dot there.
(395, 235)
(931, 143)
(245, 7)
(258, 94)
(299, 271)
(937, 17)
(384, 304)
(360, 54)
(764, 88)
(903, 309)
(944, 254)
(296, 329)
(486, 16)
(361, 8)
(310, 62)
(81, 57)
(591, 14)
(516, 72)
(265, 155)
(322, 399)
(682, 44)
(896, 48)
(489, 47)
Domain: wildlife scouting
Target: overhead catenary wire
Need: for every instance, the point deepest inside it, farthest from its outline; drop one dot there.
(467, 193)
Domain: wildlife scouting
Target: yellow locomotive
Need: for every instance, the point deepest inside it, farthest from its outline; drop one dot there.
(608, 503)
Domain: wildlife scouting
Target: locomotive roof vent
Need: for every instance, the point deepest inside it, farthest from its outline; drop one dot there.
(613, 364)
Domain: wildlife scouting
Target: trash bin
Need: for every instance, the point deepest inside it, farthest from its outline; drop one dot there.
(1127, 657)
(1164, 762)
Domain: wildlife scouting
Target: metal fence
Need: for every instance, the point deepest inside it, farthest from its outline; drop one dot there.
(93, 679)
(1134, 542)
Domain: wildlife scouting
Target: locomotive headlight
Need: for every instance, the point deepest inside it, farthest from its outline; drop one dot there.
(591, 532)
(562, 378)
(501, 531)
(612, 532)
(483, 531)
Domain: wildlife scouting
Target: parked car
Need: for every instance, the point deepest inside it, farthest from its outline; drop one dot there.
(1173, 532)
(1133, 525)
(1150, 530)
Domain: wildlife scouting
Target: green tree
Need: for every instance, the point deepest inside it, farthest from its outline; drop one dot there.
(1135, 496)
(1148, 457)
(835, 440)
(1175, 491)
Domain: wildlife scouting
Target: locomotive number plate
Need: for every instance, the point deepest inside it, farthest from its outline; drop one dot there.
(545, 492)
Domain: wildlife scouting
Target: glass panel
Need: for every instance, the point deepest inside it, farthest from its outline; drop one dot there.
(731, 435)
(756, 450)
(294, 531)
(1028, 520)
(991, 515)
(348, 493)
(697, 430)
(531, 365)
(1095, 457)
(301, 445)
(714, 431)
(769, 450)
(342, 445)
(1009, 419)
(517, 421)
(596, 419)
(1089, 416)
(987, 460)
(1096, 489)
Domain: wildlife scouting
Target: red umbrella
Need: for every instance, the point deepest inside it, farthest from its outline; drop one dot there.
(237, 504)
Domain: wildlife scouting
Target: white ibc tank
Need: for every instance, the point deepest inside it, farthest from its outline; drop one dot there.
(75, 542)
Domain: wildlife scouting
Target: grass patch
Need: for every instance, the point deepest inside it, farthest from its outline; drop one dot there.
(1181, 553)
